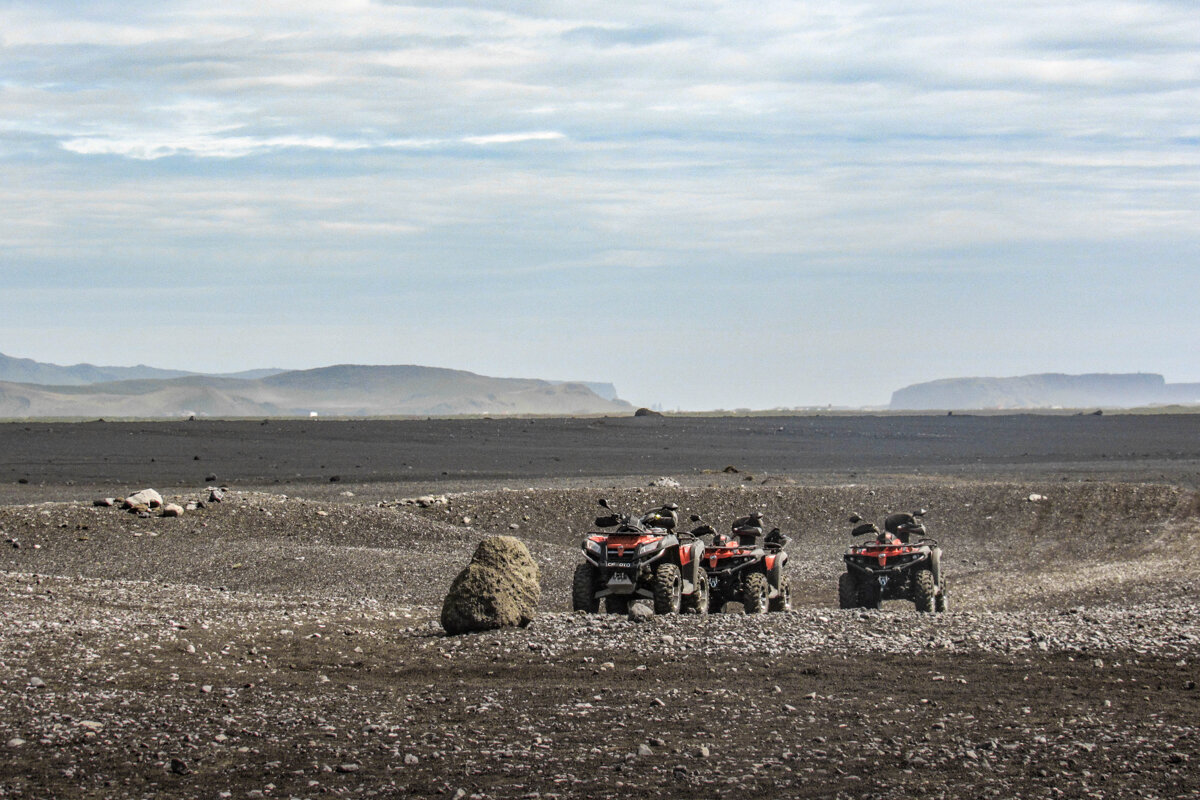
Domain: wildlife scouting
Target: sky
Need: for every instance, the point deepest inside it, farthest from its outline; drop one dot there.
(708, 204)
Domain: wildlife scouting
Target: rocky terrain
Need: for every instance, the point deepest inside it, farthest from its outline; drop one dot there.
(287, 644)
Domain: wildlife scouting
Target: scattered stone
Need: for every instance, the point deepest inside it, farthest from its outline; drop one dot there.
(646, 412)
(411, 758)
(216, 496)
(15, 742)
(37, 683)
(104, 502)
(500, 588)
(640, 612)
(172, 510)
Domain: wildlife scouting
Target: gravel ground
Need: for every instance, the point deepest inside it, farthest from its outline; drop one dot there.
(279, 645)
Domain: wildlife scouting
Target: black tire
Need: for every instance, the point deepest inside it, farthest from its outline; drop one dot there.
(847, 591)
(667, 589)
(616, 604)
(583, 588)
(870, 594)
(939, 602)
(923, 591)
(754, 593)
(697, 601)
(783, 600)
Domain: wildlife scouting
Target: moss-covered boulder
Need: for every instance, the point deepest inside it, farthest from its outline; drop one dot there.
(500, 588)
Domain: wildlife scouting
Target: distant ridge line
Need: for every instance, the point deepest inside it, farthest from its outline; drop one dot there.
(1045, 390)
(338, 390)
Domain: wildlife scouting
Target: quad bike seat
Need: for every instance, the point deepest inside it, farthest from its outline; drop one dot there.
(748, 536)
(661, 518)
(903, 525)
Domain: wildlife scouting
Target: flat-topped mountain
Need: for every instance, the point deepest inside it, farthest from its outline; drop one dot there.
(1050, 390)
(342, 390)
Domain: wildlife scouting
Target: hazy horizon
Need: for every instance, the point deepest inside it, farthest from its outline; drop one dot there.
(709, 208)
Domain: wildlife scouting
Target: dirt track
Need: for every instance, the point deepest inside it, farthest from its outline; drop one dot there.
(284, 642)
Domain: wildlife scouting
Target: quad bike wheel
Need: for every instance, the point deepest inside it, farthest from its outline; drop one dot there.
(614, 604)
(923, 591)
(754, 593)
(847, 591)
(870, 594)
(668, 588)
(939, 602)
(583, 589)
(783, 600)
(697, 601)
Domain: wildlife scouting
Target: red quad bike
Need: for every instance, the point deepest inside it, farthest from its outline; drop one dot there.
(892, 566)
(746, 567)
(642, 558)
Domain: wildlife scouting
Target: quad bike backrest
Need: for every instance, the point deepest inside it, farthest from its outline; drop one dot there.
(665, 517)
(748, 529)
(904, 525)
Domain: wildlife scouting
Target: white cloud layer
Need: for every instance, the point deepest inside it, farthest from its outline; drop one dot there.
(822, 162)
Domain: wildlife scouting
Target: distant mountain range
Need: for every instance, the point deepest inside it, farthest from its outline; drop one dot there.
(26, 370)
(34, 389)
(1051, 390)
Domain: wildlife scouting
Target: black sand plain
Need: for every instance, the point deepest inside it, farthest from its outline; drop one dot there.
(284, 642)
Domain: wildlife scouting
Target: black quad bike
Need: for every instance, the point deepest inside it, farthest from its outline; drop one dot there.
(748, 568)
(642, 558)
(900, 563)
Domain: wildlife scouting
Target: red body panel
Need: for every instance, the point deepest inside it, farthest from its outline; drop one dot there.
(624, 541)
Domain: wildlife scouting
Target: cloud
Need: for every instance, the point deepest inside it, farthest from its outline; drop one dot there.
(545, 147)
(162, 145)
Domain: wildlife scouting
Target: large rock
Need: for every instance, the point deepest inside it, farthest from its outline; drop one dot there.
(500, 588)
(146, 497)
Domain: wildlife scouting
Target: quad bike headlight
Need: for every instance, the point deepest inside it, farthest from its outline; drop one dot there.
(592, 546)
(648, 547)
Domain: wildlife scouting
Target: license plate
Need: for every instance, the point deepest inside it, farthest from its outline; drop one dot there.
(621, 579)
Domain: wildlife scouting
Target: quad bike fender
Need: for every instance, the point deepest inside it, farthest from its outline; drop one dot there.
(935, 563)
(690, 557)
(774, 564)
